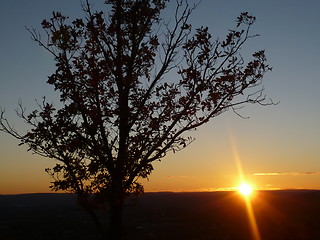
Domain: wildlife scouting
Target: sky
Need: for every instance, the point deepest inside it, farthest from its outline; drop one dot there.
(277, 147)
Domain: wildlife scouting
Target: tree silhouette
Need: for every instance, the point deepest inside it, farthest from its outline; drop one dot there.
(119, 109)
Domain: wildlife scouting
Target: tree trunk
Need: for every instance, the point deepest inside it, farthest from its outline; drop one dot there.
(116, 206)
(116, 224)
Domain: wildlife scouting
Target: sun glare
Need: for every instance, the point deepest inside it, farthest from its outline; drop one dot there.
(245, 189)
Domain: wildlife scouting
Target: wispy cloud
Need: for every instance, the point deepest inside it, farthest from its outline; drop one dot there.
(176, 177)
(286, 173)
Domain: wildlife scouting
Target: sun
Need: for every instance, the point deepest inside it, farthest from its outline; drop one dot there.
(245, 189)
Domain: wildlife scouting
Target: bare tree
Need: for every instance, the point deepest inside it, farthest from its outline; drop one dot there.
(120, 111)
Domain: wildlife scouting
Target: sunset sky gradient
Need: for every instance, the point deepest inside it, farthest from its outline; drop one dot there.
(278, 147)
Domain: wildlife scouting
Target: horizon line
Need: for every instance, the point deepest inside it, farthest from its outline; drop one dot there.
(181, 191)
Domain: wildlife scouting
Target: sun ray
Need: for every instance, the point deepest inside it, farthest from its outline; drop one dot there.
(247, 190)
(252, 220)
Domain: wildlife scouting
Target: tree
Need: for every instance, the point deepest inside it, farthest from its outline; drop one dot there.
(118, 112)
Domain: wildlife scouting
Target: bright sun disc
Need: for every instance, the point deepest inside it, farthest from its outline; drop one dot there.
(245, 189)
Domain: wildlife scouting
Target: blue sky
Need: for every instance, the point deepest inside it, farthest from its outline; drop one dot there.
(283, 138)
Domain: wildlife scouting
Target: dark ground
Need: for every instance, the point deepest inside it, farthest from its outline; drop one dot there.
(280, 215)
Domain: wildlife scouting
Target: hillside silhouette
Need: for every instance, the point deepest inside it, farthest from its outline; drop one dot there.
(289, 214)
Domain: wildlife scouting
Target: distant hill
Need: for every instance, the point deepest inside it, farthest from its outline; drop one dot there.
(289, 214)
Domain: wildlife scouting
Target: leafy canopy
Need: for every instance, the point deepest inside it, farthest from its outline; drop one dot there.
(121, 110)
